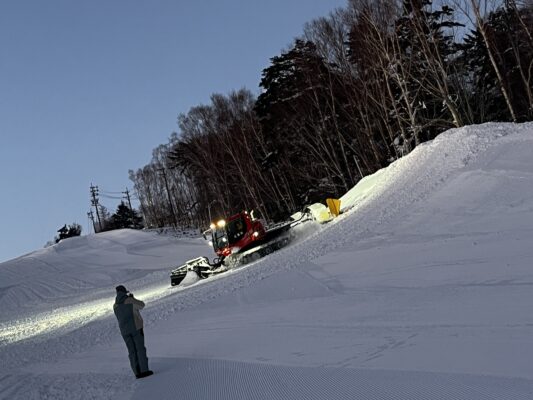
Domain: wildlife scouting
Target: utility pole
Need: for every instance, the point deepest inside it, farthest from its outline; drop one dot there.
(127, 193)
(168, 195)
(90, 214)
(94, 202)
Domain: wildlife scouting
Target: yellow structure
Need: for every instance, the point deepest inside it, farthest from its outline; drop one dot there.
(334, 206)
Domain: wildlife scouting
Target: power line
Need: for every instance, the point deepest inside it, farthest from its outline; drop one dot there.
(107, 192)
(111, 197)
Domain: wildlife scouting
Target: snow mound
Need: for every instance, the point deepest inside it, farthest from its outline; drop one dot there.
(81, 267)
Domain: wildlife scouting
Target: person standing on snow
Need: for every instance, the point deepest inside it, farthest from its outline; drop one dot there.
(130, 322)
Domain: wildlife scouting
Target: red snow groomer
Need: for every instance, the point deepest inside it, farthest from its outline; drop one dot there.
(241, 239)
(237, 240)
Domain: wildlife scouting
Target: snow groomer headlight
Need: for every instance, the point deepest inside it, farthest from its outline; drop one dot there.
(221, 223)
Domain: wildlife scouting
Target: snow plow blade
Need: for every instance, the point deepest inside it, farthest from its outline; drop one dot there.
(197, 266)
(190, 278)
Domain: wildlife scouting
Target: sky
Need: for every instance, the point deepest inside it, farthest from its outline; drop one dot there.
(419, 289)
(89, 88)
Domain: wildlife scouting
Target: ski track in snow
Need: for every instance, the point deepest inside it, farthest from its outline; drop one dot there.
(72, 387)
(197, 379)
(230, 380)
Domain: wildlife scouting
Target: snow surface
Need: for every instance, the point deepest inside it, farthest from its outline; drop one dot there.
(421, 289)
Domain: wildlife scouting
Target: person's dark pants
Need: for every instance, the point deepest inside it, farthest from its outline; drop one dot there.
(137, 351)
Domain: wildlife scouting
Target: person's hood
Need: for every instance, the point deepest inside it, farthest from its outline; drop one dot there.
(121, 296)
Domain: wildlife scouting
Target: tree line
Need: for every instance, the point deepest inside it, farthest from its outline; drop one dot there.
(357, 90)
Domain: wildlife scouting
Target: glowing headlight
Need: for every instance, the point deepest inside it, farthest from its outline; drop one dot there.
(221, 223)
(256, 234)
(212, 226)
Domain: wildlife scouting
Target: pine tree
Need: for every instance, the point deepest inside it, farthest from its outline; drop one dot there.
(300, 114)
(68, 231)
(125, 217)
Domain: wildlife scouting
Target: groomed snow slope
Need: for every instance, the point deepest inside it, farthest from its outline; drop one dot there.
(422, 289)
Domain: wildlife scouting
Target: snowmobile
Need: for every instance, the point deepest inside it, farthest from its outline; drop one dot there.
(242, 239)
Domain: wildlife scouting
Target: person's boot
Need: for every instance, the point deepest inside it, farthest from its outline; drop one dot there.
(144, 374)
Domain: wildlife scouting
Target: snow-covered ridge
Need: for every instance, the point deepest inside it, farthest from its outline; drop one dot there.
(83, 267)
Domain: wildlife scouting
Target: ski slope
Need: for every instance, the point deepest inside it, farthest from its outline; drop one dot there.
(421, 289)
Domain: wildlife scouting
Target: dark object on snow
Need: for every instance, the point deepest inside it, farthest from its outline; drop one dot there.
(69, 231)
(130, 322)
(144, 374)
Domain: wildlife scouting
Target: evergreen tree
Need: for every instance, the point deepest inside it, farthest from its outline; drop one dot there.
(68, 231)
(124, 217)
(300, 111)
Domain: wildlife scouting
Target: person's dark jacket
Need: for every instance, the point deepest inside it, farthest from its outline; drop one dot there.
(126, 309)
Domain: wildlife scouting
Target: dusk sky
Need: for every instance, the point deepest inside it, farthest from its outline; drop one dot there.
(89, 88)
